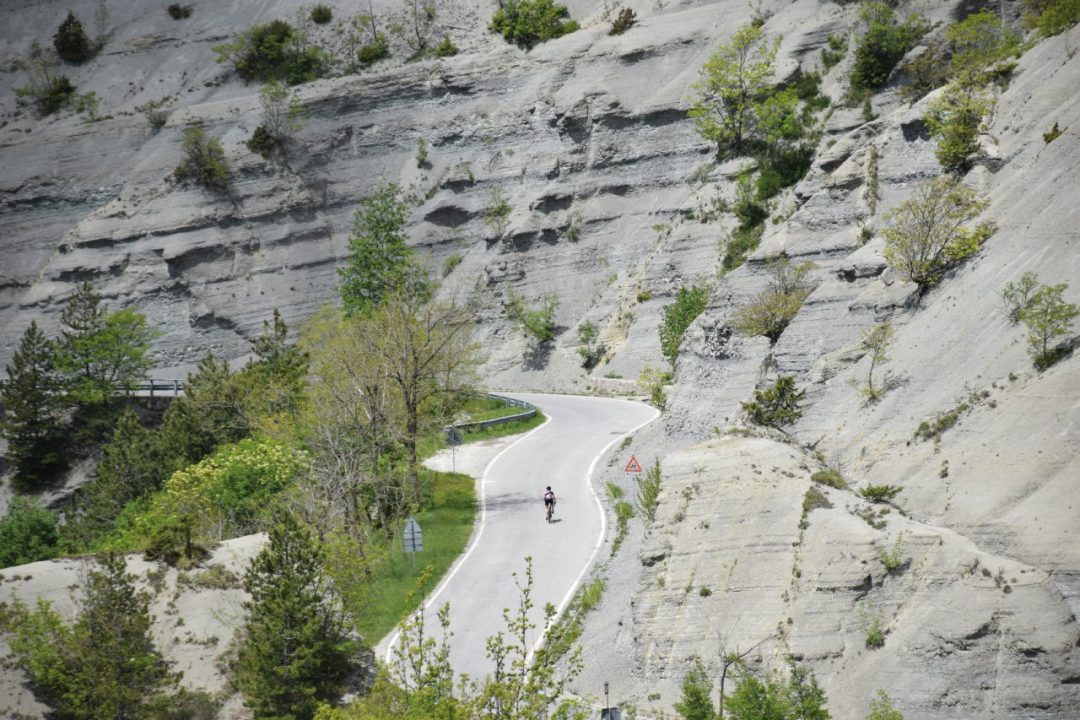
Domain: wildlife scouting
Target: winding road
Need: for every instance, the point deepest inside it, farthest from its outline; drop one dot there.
(562, 453)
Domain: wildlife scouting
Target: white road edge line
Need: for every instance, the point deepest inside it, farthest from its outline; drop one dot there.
(603, 529)
(479, 530)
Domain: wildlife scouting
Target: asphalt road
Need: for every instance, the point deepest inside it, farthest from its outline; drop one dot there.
(511, 525)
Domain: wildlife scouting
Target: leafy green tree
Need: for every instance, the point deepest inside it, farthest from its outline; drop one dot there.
(296, 648)
(881, 708)
(777, 406)
(1047, 317)
(696, 702)
(689, 303)
(927, 237)
(33, 411)
(71, 42)
(803, 694)
(734, 85)
(27, 533)
(281, 113)
(204, 161)
(529, 22)
(955, 118)
(105, 664)
(978, 41)
(773, 309)
(1017, 295)
(380, 259)
(796, 697)
(882, 45)
(1051, 17)
(274, 382)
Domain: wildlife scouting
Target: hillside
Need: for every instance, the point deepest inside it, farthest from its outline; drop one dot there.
(615, 204)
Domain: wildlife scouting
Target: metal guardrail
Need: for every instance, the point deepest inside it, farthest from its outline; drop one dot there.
(167, 388)
(530, 411)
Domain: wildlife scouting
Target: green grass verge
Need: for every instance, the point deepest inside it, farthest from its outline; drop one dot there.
(428, 446)
(395, 591)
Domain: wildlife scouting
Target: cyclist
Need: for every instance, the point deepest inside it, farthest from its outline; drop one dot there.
(549, 503)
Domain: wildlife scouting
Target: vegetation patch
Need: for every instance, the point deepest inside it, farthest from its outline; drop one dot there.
(830, 477)
(274, 51)
(529, 22)
(880, 493)
(777, 406)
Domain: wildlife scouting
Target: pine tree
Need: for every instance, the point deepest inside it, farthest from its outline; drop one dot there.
(296, 649)
(696, 702)
(380, 260)
(71, 42)
(132, 467)
(212, 412)
(105, 665)
(33, 411)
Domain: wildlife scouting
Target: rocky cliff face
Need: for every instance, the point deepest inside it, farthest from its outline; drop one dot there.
(587, 139)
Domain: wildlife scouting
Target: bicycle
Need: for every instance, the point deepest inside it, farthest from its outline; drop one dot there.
(550, 511)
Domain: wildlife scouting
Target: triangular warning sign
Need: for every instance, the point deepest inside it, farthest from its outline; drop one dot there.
(633, 466)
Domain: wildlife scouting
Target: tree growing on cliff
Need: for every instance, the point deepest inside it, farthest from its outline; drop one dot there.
(734, 85)
(876, 341)
(696, 702)
(380, 259)
(770, 312)
(927, 236)
(103, 665)
(296, 648)
(281, 113)
(203, 161)
(955, 119)
(689, 303)
(777, 406)
(1047, 317)
(33, 411)
(71, 42)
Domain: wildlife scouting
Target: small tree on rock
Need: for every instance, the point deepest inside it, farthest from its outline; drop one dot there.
(380, 259)
(777, 406)
(732, 90)
(1047, 317)
(204, 161)
(71, 42)
(876, 341)
(696, 702)
(296, 648)
(689, 303)
(928, 236)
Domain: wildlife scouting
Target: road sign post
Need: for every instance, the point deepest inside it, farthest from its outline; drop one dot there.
(633, 467)
(412, 540)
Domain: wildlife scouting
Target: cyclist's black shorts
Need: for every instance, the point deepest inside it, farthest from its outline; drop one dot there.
(549, 501)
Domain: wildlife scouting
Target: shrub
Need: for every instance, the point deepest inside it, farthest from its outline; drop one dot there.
(1047, 317)
(648, 492)
(927, 71)
(740, 244)
(27, 533)
(497, 213)
(529, 22)
(689, 303)
(261, 142)
(1052, 134)
(777, 406)
(623, 512)
(1017, 295)
(538, 323)
(273, 51)
(814, 500)
(46, 88)
(154, 113)
(876, 341)
(623, 22)
(834, 51)
(591, 594)
(179, 12)
(421, 152)
(446, 48)
(881, 708)
(374, 51)
(875, 634)
(588, 349)
(321, 14)
(893, 560)
(927, 237)
(204, 161)
(944, 421)
(830, 477)
(747, 207)
(1051, 17)
(652, 381)
(955, 119)
(880, 493)
(71, 42)
(450, 263)
(882, 45)
(772, 310)
(978, 41)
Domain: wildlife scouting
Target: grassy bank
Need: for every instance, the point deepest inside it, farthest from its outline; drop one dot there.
(395, 591)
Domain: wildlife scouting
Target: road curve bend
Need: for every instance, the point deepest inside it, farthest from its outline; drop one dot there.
(562, 453)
